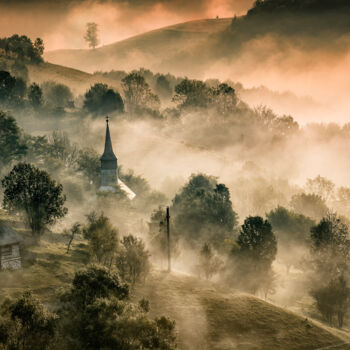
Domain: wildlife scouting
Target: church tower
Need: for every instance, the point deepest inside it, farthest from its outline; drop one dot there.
(109, 164)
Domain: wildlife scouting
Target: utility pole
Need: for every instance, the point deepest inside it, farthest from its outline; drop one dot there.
(168, 236)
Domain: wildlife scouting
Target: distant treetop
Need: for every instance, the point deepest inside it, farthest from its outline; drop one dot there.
(22, 48)
(297, 5)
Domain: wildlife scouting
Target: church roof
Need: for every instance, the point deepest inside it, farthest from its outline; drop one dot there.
(108, 153)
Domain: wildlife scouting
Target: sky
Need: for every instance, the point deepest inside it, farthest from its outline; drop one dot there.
(62, 23)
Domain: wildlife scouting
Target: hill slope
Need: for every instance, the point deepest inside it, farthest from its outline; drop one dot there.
(208, 318)
(150, 48)
(76, 79)
(193, 47)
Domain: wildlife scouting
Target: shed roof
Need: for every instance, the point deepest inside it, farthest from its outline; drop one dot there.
(8, 235)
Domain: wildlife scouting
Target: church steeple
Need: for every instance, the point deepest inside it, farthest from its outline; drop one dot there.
(109, 163)
(108, 153)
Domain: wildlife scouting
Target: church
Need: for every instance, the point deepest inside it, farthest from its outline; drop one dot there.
(109, 169)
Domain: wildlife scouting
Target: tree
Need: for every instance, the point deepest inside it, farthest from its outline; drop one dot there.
(22, 49)
(292, 231)
(95, 282)
(311, 205)
(102, 237)
(31, 191)
(91, 36)
(138, 95)
(209, 263)
(35, 96)
(58, 96)
(192, 94)
(203, 212)
(333, 299)
(26, 324)
(330, 247)
(60, 147)
(11, 145)
(75, 230)
(329, 261)
(101, 99)
(133, 260)
(225, 99)
(163, 87)
(12, 90)
(97, 314)
(256, 253)
(39, 47)
(88, 162)
(320, 186)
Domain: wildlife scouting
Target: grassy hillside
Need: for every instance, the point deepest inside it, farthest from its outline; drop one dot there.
(149, 49)
(76, 79)
(210, 318)
(207, 316)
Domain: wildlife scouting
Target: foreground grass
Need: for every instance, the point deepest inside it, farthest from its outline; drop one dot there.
(46, 267)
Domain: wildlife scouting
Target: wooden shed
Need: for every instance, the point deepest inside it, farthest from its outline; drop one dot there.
(10, 256)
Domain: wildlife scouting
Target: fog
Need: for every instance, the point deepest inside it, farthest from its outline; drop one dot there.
(288, 125)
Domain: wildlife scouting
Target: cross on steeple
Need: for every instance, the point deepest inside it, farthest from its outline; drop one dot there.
(107, 119)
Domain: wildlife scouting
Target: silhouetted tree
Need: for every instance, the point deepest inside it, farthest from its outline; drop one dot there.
(12, 90)
(329, 262)
(192, 94)
(11, 145)
(333, 299)
(209, 262)
(257, 249)
(163, 87)
(293, 233)
(91, 36)
(35, 95)
(203, 212)
(138, 95)
(22, 48)
(57, 95)
(101, 99)
(31, 191)
(225, 99)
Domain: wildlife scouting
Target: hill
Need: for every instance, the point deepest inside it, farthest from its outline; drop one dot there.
(192, 47)
(149, 49)
(207, 316)
(76, 79)
(210, 318)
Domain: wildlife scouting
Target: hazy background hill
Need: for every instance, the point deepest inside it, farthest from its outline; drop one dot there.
(151, 49)
(300, 47)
